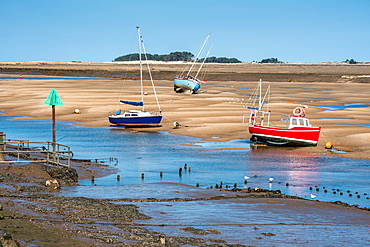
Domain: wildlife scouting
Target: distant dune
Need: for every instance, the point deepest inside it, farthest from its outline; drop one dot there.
(288, 72)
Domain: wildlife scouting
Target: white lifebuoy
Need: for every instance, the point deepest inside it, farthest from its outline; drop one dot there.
(299, 111)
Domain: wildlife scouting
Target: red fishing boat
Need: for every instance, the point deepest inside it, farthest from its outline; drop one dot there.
(296, 132)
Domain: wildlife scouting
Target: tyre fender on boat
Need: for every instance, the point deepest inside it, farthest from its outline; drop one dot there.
(299, 111)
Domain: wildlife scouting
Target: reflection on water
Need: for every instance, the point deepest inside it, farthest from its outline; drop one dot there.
(210, 162)
(54, 78)
(241, 222)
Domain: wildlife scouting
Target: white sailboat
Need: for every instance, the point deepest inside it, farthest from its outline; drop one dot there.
(191, 83)
(138, 118)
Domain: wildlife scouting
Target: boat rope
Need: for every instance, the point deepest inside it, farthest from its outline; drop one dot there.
(120, 95)
(204, 60)
(273, 124)
(183, 72)
(151, 78)
(253, 97)
(322, 134)
(125, 76)
(167, 118)
(187, 71)
(204, 72)
(199, 52)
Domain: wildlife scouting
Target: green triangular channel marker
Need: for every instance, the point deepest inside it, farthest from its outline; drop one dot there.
(53, 98)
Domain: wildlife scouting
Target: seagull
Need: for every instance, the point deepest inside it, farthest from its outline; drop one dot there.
(271, 179)
(246, 177)
(313, 196)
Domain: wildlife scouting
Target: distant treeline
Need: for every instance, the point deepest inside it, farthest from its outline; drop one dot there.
(187, 57)
(275, 60)
(175, 56)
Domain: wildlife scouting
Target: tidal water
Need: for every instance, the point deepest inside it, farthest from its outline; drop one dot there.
(54, 77)
(149, 153)
(345, 106)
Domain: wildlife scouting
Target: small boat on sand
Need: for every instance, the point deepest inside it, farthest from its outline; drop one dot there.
(296, 132)
(138, 118)
(190, 83)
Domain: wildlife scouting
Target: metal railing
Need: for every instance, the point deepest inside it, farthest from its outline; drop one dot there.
(26, 151)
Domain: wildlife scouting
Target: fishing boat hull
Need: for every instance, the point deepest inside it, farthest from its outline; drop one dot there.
(147, 121)
(296, 136)
(185, 85)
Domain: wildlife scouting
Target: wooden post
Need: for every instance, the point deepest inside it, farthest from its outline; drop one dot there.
(53, 123)
(53, 99)
(54, 132)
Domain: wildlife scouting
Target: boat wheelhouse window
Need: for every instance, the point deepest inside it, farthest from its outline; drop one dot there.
(300, 122)
(134, 115)
(294, 121)
(307, 122)
(127, 115)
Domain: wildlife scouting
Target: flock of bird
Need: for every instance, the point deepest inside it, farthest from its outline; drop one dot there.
(312, 196)
(270, 179)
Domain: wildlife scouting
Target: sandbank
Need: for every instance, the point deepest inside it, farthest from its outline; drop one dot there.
(216, 111)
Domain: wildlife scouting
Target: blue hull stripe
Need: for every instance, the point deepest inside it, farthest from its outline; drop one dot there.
(136, 121)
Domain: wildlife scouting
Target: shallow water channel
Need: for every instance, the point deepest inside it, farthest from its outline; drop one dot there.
(295, 173)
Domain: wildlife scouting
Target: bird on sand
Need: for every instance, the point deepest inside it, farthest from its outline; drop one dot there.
(271, 179)
(313, 196)
(246, 177)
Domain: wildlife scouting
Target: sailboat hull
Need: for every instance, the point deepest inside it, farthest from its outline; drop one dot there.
(185, 85)
(136, 121)
(296, 136)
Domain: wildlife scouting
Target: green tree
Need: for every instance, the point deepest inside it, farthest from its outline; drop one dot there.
(221, 60)
(350, 61)
(270, 60)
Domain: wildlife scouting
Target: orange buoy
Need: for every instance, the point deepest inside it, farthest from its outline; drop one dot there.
(20, 76)
(328, 145)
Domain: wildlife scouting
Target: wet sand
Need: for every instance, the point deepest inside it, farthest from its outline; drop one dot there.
(184, 215)
(216, 110)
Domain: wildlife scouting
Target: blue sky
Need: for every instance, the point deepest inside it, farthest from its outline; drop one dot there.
(250, 30)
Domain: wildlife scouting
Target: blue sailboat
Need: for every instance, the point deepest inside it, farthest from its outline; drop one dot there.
(138, 118)
(188, 83)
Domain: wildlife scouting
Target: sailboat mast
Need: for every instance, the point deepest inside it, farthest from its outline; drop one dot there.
(200, 51)
(141, 66)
